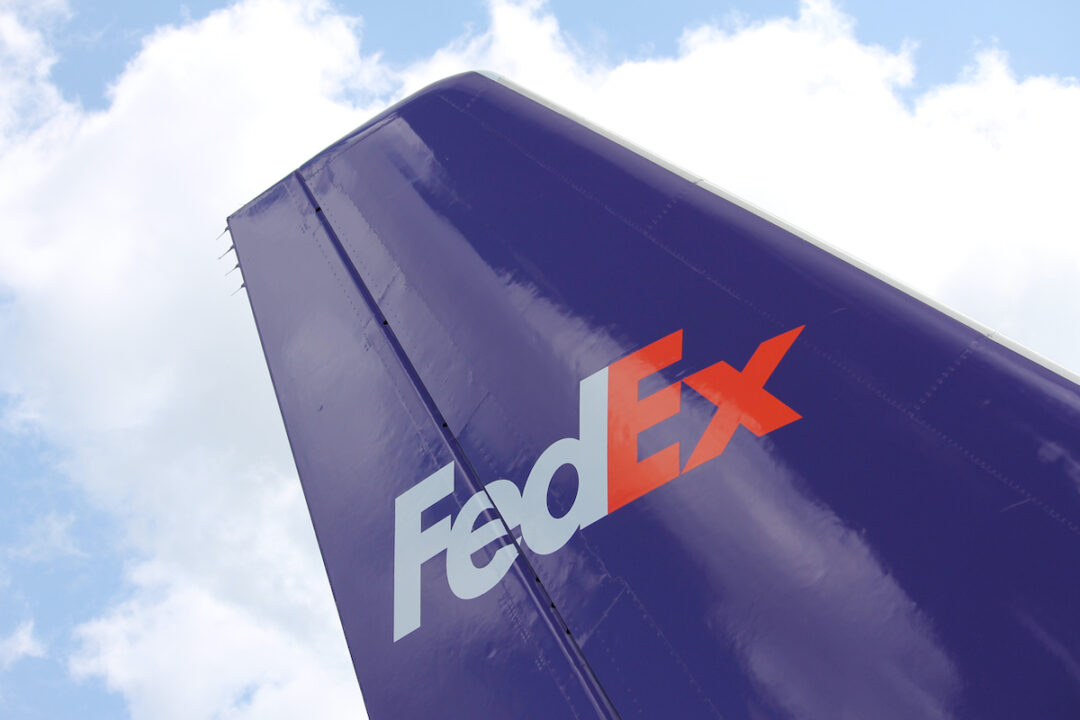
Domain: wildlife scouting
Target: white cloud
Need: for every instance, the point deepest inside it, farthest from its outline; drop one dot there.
(21, 644)
(123, 346)
(188, 654)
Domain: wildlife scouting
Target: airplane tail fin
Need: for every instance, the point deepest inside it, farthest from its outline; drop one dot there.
(583, 437)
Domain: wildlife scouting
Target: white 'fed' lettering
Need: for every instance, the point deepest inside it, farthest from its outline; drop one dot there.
(543, 533)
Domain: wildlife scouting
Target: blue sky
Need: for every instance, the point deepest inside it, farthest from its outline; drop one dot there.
(60, 564)
(146, 492)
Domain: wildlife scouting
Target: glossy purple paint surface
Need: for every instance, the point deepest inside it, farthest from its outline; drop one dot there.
(910, 548)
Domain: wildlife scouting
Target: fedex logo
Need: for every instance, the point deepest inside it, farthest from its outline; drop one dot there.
(605, 456)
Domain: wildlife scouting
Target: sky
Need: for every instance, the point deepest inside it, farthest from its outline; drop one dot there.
(156, 557)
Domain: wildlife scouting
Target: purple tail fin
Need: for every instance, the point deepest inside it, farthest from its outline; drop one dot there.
(581, 437)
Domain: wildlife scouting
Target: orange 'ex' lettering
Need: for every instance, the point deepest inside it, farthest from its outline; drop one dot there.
(740, 399)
